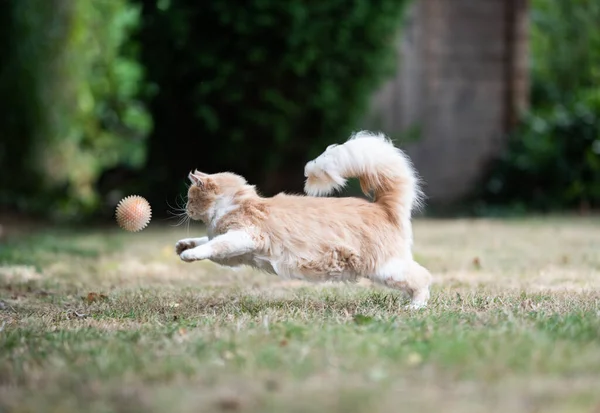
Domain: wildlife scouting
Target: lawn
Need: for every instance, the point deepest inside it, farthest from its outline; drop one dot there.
(104, 320)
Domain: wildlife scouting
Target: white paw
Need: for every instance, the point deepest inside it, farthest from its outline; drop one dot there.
(202, 252)
(189, 256)
(416, 305)
(184, 244)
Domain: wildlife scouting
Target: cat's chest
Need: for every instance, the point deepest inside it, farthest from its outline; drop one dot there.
(218, 227)
(213, 231)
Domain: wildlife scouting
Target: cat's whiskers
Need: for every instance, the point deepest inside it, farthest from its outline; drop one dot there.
(179, 213)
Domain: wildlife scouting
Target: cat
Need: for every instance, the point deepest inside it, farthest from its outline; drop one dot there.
(316, 238)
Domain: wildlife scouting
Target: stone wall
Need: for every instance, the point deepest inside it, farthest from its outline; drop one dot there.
(462, 79)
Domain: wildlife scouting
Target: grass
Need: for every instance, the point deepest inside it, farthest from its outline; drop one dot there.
(105, 321)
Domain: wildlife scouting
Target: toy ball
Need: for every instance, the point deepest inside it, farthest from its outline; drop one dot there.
(133, 213)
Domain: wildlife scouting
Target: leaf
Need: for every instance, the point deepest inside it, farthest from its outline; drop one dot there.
(94, 297)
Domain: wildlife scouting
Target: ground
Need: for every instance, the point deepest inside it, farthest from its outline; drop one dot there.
(103, 320)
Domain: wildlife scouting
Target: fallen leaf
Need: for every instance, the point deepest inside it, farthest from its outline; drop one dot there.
(93, 297)
(229, 403)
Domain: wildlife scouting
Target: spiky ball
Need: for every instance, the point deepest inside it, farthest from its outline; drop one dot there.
(133, 213)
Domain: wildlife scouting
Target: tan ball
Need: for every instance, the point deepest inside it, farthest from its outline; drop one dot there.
(133, 213)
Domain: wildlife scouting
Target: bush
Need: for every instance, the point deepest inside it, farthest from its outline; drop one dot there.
(565, 48)
(553, 158)
(259, 86)
(70, 109)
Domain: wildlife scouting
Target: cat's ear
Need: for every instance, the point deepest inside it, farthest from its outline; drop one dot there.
(196, 178)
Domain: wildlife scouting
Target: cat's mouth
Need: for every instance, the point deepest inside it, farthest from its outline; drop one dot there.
(192, 216)
(196, 216)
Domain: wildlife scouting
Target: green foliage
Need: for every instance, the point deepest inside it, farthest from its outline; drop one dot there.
(553, 158)
(262, 85)
(565, 47)
(70, 86)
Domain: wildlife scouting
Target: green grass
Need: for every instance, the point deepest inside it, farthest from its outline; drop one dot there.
(110, 321)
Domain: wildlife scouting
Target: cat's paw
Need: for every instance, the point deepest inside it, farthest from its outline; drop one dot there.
(416, 305)
(184, 244)
(187, 256)
(194, 254)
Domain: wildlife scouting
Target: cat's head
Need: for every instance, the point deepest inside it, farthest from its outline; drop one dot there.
(211, 193)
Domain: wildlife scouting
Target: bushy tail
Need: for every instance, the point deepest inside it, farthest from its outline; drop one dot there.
(380, 167)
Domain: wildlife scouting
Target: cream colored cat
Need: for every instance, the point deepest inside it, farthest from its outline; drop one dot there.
(317, 238)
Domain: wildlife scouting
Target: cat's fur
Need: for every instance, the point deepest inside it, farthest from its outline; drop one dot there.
(317, 238)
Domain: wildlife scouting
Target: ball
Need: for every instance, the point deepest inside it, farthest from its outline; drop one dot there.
(133, 213)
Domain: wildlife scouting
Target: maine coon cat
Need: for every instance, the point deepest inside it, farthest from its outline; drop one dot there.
(313, 237)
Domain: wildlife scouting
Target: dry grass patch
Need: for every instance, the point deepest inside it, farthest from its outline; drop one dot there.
(108, 321)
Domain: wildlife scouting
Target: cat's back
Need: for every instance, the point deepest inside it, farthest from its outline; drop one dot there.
(299, 205)
(319, 215)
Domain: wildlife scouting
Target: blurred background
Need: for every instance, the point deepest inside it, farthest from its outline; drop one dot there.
(496, 101)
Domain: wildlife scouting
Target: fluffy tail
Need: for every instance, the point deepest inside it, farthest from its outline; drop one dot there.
(380, 167)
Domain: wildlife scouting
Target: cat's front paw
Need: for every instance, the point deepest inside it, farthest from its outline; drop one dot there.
(184, 244)
(188, 256)
(194, 254)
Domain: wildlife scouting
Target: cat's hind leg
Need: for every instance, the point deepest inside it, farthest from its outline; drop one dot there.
(408, 276)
